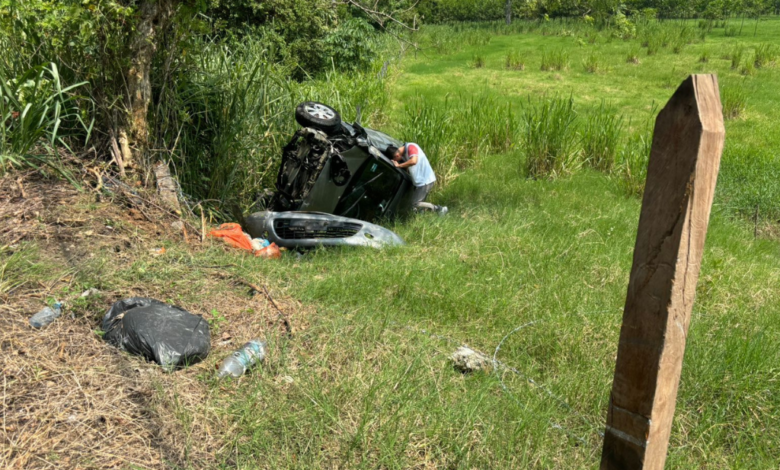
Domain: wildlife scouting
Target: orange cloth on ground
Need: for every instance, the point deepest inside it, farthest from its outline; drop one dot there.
(233, 236)
(270, 252)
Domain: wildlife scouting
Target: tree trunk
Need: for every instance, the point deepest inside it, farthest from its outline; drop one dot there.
(508, 11)
(153, 17)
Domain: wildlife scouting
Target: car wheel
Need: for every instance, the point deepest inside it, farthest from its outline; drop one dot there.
(318, 116)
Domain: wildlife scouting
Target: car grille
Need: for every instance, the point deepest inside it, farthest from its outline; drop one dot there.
(291, 229)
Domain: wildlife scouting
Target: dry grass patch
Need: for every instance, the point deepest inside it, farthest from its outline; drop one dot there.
(69, 399)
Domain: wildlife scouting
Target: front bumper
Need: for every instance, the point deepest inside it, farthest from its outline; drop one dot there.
(312, 229)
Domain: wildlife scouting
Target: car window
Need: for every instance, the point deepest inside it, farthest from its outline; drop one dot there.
(370, 191)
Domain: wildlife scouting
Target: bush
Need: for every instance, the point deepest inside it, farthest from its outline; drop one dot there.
(549, 139)
(297, 28)
(478, 61)
(352, 46)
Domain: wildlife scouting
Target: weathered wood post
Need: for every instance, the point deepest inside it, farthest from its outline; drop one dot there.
(681, 176)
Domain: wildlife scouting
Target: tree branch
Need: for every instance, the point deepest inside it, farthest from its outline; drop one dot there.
(378, 15)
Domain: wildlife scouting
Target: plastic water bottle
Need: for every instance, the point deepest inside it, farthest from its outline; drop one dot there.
(237, 363)
(46, 316)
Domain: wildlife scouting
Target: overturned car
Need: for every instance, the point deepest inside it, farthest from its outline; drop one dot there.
(338, 168)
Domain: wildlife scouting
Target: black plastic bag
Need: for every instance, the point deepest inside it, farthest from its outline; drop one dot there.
(165, 334)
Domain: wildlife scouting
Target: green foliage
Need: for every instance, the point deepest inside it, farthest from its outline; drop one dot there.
(296, 30)
(601, 136)
(653, 44)
(549, 138)
(704, 57)
(226, 119)
(478, 61)
(352, 46)
(36, 109)
(442, 11)
(88, 43)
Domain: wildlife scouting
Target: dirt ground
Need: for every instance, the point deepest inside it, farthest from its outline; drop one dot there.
(69, 399)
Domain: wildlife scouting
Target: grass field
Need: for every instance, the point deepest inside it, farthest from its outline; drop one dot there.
(538, 267)
(596, 67)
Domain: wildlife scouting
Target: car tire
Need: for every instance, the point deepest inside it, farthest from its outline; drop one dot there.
(317, 115)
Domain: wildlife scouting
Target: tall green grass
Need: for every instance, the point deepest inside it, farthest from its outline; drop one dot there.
(601, 136)
(733, 99)
(555, 60)
(765, 55)
(549, 138)
(514, 61)
(457, 132)
(593, 62)
(631, 164)
(37, 113)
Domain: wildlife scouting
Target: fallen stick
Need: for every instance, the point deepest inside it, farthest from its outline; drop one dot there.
(281, 314)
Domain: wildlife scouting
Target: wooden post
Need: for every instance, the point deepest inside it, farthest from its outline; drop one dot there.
(681, 176)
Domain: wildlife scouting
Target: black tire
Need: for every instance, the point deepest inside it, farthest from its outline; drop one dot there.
(317, 115)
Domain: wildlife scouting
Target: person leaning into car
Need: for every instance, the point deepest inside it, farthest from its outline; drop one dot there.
(411, 157)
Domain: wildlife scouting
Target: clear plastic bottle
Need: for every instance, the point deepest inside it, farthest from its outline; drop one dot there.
(237, 363)
(46, 316)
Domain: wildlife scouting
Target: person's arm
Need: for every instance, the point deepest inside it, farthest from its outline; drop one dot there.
(412, 152)
(411, 162)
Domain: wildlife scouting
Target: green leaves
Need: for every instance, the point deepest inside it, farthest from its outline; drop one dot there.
(37, 113)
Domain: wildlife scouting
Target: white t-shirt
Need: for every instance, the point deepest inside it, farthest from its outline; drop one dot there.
(421, 172)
